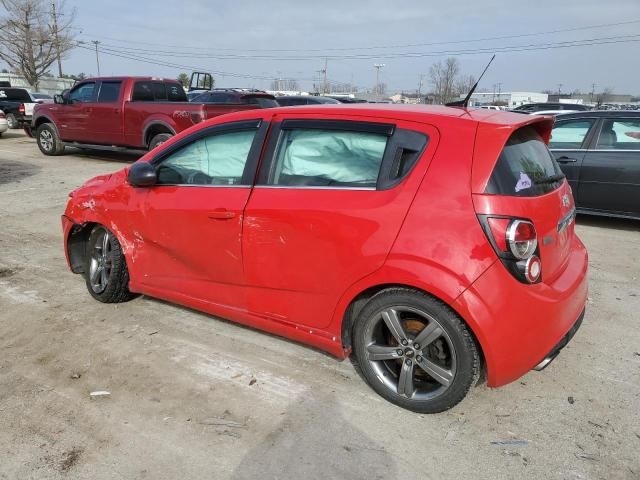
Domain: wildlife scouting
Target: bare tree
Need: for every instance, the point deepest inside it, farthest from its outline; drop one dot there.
(464, 84)
(443, 76)
(33, 38)
(285, 84)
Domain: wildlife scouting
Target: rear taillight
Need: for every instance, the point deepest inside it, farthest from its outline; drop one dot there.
(515, 241)
(2, 115)
(21, 108)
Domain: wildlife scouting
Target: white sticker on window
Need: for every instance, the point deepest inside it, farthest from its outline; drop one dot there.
(523, 182)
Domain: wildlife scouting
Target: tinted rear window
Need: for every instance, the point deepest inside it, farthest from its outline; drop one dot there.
(15, 95)
(158, 92)
(262, 102)
(525, 167)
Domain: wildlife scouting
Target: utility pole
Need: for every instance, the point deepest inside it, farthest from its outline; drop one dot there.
(593, 91)
(378, 66)
(420, 88)
(499, 90)
(493, 98)
(96, 42)
(55, 36)
(324, 77)
(559, 89)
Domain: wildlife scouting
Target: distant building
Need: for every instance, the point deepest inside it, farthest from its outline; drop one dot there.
(509, 99)
(50, 85)
(589, 98)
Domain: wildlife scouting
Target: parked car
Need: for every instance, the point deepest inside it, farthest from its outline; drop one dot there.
(293, 100)
(39, 97)
(17, 105)
(348, 99)
(4, 126)
(431, 242)
(120, 112)
(599, 152)
(547, 107)
(237, 96)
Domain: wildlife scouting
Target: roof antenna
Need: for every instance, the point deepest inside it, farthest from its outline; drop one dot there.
(465, 103)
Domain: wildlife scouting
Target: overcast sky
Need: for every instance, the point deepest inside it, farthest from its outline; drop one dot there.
(191, 32)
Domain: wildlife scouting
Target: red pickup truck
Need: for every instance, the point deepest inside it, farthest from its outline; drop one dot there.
(120, 112)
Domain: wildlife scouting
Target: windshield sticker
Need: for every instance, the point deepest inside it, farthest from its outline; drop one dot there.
(523, 182)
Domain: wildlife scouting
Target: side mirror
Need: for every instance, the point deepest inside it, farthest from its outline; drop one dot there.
(142, 174)
(59, 99)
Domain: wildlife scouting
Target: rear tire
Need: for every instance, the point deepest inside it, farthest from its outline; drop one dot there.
(159, 140)
(48, 140)
(414, 351)
(12, 121)
(105, 270)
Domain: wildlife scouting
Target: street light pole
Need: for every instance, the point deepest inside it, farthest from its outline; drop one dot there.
(55, 36)
(378, 66)
(96, 42)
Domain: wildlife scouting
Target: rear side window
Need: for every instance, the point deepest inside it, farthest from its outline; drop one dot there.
(158, 92)
(328, 158)
(175, 93)
(525, 167)
(109, 92)
(15, 95)
(622, 134)
(570, 134)
(142, 92)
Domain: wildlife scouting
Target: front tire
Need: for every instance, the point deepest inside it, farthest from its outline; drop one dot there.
(414, 351)
(105, 269)
(49, 141)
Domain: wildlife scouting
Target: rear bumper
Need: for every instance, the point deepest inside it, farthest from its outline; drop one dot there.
(551, 356)
(519, 326)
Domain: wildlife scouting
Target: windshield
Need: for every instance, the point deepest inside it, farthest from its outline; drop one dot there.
(525, 167)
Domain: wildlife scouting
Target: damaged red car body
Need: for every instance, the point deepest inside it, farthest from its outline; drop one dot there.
(430, 242)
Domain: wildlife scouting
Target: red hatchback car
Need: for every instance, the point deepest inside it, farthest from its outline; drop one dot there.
(433, 243)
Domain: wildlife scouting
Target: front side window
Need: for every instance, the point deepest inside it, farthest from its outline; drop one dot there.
(622, 134)
(218, 159)
(525, 167)
(84, 93)
(109, 92)
(328, 158)
(570, 134)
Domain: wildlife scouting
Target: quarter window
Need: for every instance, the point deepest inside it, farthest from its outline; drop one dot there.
(619, 134)
(214, 160)
(109, 92)
(333, 158)
(84, 93)
(570, 134)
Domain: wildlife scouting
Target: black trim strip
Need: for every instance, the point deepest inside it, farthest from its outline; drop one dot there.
(351, 125)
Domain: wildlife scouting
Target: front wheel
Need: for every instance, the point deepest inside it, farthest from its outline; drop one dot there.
(48, 140)
(415, 351)
(105, 269)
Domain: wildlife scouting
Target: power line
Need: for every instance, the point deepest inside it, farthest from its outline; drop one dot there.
(469, 51)
(381, 47)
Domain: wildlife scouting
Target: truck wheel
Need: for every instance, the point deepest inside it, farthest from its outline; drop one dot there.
(48, 140)
(12, 121)
(159, 140)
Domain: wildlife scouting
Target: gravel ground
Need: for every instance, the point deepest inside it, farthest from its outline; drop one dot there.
(193, 396)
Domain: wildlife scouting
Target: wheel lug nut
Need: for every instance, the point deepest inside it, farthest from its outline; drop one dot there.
(416, 346)
(399, 352)
(404, 342)
(408, 362)
(418, 358)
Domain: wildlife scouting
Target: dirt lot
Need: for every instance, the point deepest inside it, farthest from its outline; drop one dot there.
(196, 397)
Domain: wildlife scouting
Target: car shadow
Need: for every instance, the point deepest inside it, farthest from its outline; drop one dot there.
(608, 222)
(314, 440)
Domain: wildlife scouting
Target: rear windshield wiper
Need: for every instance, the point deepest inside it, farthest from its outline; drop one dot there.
(551, 179)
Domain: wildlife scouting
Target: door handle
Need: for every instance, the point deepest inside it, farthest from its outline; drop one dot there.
(221, 214)
(565, 159)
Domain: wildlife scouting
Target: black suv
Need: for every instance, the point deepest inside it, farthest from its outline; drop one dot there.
(242, 96)
(291, 100)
